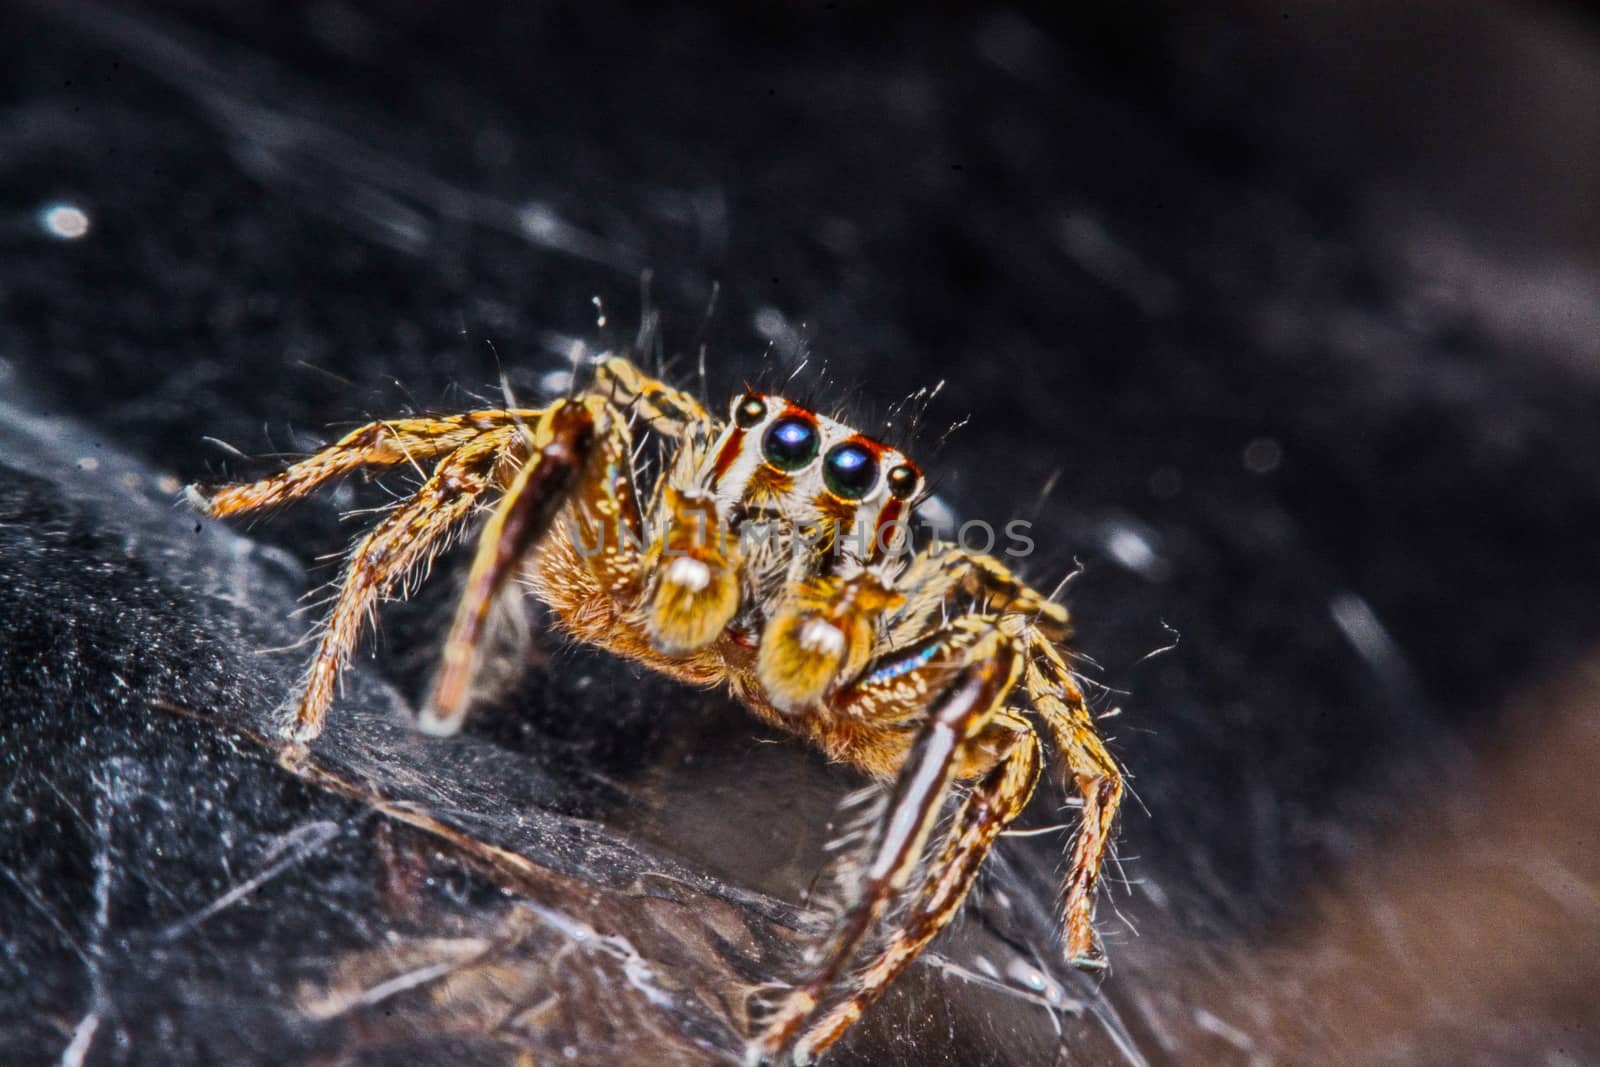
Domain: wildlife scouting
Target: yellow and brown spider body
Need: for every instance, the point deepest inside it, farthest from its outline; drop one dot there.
(771, 554)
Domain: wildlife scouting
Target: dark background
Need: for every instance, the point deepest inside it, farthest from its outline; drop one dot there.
(1293, 309)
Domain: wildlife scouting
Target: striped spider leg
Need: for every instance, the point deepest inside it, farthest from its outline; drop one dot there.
(940, 709)
(769, 555)
(475, 455)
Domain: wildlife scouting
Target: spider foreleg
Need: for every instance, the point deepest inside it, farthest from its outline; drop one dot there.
(956, 715)
(376, 446)
(407, 537)
(987, 579)
(665, 410)
(995, 800)
(559, 447)
(607, 533)
(946, 570)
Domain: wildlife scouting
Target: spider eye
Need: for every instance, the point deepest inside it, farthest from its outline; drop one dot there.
(791, 443)
(902, 481)
(751, 410)
(850, 471)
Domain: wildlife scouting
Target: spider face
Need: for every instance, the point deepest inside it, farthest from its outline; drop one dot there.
(938, 669)
(775, 457)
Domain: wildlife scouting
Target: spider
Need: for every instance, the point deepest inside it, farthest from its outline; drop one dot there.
(925, 668)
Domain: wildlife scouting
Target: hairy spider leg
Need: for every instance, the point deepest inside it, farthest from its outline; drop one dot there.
(689, 571)
(1057, 699)
(420, 526)
(408, 537)
(559, 448)
(377, 446)
(945, 570)
(970, 679)
(995, 800)
(993, 584)
(667, 411)
(568, 464)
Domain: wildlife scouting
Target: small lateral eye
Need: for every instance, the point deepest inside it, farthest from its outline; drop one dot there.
(751, 410)
(850, 471)
(902, 481)
(791, 443)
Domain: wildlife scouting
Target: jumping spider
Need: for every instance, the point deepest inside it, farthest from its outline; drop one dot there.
(925, 668)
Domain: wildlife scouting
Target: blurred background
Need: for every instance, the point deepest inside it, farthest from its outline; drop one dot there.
(1280, 322)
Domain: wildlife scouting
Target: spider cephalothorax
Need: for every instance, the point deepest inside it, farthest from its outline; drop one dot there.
(771, 554)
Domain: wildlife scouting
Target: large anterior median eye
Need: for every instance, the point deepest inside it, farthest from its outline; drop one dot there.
(850, 471)
(791, 443)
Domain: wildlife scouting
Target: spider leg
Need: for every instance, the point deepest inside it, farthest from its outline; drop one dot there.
(560, 446)
(1055, 696)
(995, 800)
(407, 538)
(1059, 702)
(988, 579)
(667, 411)
(375, 446)
(962, 708)
(946, 570)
